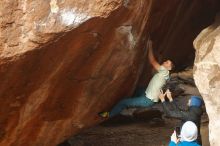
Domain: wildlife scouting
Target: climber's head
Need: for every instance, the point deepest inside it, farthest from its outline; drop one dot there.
(195, 101)
(168, 64)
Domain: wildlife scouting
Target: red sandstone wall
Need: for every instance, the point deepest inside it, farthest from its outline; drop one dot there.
(56, 74)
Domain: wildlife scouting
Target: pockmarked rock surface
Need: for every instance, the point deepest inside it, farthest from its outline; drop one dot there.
(62, 62)
(207, 75)
(30, 24)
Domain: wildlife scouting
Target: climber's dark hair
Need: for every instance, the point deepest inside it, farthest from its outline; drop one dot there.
(173, 64)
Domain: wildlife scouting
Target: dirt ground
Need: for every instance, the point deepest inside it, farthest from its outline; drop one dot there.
(123, 131)
(147, 128)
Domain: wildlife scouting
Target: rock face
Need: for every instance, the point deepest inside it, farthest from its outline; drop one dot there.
(29, 24)
(62, 62)
(207, 75)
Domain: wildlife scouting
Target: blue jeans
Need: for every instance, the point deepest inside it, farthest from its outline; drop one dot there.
(140, 101)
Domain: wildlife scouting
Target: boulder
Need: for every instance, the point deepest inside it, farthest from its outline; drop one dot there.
(62, 62)
(207, 75)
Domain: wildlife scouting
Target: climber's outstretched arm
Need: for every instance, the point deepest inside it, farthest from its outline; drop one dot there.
(151, 57)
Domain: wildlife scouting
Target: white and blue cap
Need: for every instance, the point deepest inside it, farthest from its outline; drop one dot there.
(189, 132)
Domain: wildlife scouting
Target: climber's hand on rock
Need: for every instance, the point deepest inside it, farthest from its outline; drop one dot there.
(149, 44)
(162, 96)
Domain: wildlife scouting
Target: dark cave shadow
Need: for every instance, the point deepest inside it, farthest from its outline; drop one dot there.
(149, 117)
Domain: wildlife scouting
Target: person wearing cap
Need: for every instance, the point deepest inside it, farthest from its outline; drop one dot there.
(188, 135)
(151, 95)
(193, 113)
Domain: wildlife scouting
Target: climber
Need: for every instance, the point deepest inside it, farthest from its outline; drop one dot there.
(152, 92)
(193, 113)
(187, 137)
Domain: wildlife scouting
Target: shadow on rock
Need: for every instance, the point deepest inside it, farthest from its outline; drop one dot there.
(152, 117)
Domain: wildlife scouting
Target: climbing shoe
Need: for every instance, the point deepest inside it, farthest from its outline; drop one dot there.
(104, 114)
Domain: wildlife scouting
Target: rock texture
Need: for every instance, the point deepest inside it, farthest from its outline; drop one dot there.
(207, 75)
(29, 24)
(62, 67)
(63, 61)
